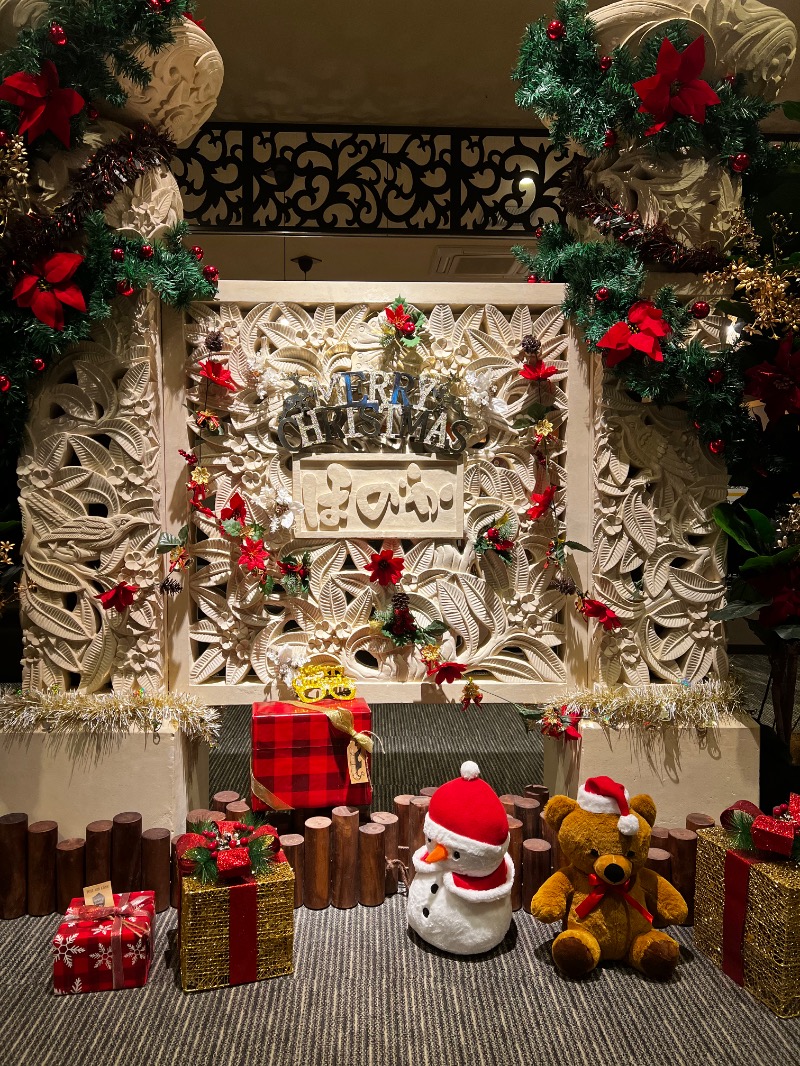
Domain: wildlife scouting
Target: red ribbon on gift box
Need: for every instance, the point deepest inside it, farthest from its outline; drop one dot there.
(243, 932)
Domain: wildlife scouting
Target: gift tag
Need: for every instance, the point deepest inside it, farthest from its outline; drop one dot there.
(357, 765)
(99, 895)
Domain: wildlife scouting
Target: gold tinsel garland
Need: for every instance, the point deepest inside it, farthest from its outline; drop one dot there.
(699, 706)
(60, 712)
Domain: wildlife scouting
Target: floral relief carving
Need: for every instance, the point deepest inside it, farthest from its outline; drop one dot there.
(505, 620)
(89, 494)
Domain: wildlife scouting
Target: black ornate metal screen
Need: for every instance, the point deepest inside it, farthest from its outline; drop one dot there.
(251, 177)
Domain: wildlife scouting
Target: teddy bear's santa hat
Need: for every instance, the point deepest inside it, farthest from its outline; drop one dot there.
(602, 795)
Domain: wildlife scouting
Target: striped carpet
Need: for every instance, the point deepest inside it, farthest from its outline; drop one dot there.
(365, 994)
(419, 745)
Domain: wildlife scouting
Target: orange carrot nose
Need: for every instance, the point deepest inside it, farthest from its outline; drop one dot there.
(439, 853)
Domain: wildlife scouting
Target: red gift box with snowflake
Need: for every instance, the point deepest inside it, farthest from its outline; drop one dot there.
(97, 949)
(300, 754)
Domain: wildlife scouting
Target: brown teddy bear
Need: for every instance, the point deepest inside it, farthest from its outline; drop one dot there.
(605, 893)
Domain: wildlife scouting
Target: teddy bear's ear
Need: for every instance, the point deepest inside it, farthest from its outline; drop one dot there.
(557, 810)
(644, 805)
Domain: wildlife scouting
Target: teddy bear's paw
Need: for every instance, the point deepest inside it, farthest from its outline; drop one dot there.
(656, 955)
(575, 952)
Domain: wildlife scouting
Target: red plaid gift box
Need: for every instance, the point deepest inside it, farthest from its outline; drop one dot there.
(97, 949)
(300, 756)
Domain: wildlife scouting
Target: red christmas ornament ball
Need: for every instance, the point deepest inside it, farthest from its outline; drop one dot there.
(210, 273)
(5, 383)
(5, 138)
(716, 376)
(118, 255)
(740, 162)
(730, 79)
(154, 5)
(92, 114)
(146, 251)
(606, 63)
(38, 364)
(537, 233)
(610, 139)
(197, 252)
(124, 288)
(700, 309)
(533, 279)
(602, 294)
(716, 447)
(556, 30)
(56, 34)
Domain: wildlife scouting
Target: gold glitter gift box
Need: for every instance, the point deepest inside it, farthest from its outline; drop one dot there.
(235, 933)
(747, 920)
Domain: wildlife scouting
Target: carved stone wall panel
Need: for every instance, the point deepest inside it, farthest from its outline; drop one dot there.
(658, 558)
(506, 621)
(90, 497)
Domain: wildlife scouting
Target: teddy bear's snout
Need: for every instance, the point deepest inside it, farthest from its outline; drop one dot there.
(613, 868)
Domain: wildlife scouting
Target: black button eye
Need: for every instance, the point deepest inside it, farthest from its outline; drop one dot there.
(456, 855)
(425, 912)
(434, 889)
(428, 839)
(631, 854)
(594, 853)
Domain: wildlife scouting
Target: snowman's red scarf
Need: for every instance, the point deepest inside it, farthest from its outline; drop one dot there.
(482, 884)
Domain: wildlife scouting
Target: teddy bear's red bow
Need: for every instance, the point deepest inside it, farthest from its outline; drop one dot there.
(601, 888)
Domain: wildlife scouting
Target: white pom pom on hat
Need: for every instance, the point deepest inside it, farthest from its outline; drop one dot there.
(603, 795)
(470, 770)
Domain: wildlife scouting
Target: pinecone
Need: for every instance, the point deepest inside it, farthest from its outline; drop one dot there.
(531, 345)
(400, 602)
(213, 341)
(565, 585)
(170, 587)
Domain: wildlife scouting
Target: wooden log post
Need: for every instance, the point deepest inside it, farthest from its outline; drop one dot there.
(417, 809)
(13, 865)
(98, 851)
(42, 841)
(528, 811)
(175, 876)
(200, 814)
(538, 792)
(401, 805)
(660, 861)
(683, 850)
(551, 836)
(659, 837)
(390, 823)
(344, 857)
(156, 865)
(317, 883)
(293, 847)
(235, 811)
(515, 851)
(536, 861)
(508, 802)
(371, 864)
(428, 790)
(215, 816)
(126, 852)
(222, 799)
(70, 872)
(697, 821)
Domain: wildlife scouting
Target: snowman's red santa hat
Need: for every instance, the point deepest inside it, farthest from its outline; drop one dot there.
(602, 795)
(466, 814)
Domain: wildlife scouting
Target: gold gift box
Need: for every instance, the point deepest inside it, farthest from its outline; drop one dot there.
(771, 945)
(204, 927)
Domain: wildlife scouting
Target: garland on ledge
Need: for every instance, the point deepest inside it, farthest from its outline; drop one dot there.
(102, 714)
(60, 269)
(698, 706)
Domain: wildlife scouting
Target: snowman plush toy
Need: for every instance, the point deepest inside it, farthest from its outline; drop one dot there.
(460, 898)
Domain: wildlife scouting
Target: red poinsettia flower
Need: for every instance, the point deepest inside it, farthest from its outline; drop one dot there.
(48, 287)
(254, 554)
(198, 22)
(217, 374)
(538, 371)
(120, 597)
(293, 568)
(783, 585)
(385, 568)
(45, 106)
(447, 672)
(541, 503)
(500, 544)
(595, 609)
(403, 623)
(641, 333)
(236, 509)
(400, 319)
(777, 384)
(676, 88)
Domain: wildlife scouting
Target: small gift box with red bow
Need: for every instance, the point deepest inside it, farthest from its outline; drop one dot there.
(97, 949)
(237, 905)
(311, 755)
(747, 901)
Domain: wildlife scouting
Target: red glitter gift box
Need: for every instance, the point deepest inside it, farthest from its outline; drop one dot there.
(299, 757)
(97, 949)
